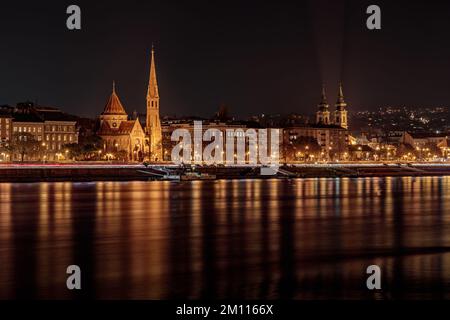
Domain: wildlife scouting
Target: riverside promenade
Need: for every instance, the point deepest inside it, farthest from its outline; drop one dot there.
(32, 172)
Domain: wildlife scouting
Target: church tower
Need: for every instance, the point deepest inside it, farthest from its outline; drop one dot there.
(323, 114)
(340, 114)
(114, 113)
(153, 126)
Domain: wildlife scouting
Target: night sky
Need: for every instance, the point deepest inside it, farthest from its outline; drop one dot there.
(253, 56)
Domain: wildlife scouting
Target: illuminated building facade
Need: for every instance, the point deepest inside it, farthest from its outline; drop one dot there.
(153, 122)
(122, 138)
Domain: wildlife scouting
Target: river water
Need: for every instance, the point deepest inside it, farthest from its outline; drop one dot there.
(269, 239)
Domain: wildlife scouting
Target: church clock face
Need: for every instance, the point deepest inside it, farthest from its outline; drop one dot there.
(114, 125)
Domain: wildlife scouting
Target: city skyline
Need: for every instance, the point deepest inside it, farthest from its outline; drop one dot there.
(226, 55)
(225, 159)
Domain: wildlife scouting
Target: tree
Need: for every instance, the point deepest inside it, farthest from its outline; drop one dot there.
(121, 155)
(5, 150)
(303, 148)
(87, 149)
(24, 143)
(75, 150)
(406, 151)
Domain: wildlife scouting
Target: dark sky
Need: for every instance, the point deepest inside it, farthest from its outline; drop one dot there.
(254, 56)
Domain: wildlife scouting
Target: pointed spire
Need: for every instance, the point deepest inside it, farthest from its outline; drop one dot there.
(340, 93)
(323, 99)
(340, 103)
(152, 91)
(114, 86)
(323, 105)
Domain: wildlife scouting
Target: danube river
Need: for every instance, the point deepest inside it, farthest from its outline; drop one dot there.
(288, 239)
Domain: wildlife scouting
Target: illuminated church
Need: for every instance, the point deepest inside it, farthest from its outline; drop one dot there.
(127, 137)
(330, 131)
(323, 115)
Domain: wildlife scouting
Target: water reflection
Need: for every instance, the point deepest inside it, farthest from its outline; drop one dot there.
(301, 239)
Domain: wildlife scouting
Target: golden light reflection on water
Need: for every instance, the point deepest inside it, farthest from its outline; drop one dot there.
(304, 238)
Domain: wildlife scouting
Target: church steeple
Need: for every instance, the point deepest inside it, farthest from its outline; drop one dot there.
(340, 114)
(323, 98)
(340, 103)
(152, 92)
(323, 115)
(153, 123)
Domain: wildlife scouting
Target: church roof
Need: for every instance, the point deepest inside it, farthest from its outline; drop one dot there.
(114, 106)
(125, 128)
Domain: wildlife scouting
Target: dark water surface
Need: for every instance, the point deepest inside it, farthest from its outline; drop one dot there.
(300, 239)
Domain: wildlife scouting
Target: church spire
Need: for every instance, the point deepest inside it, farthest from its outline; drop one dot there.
(340, 114)
(340, 103)
(114, 86)
(323, 105)
(153, 122)
(152, 91)
(322, 114)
